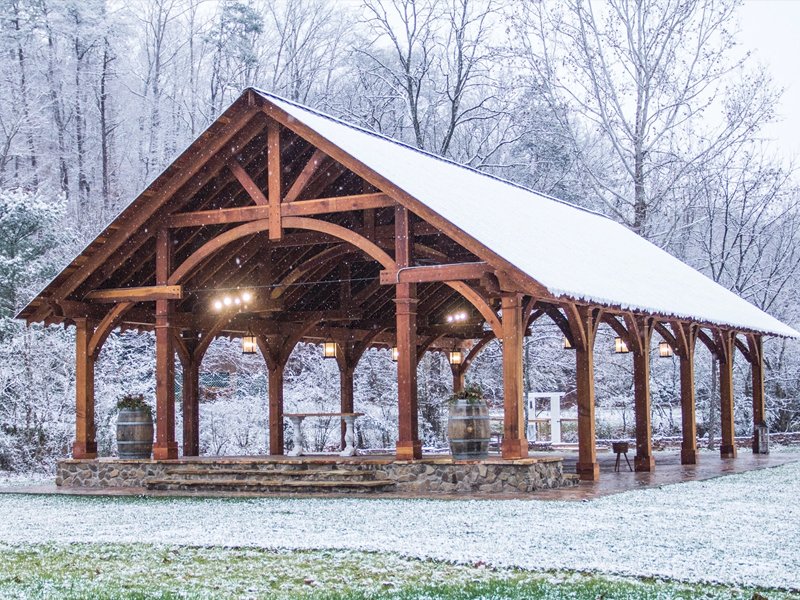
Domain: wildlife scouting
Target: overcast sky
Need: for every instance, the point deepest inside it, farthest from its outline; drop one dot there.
(771, 29)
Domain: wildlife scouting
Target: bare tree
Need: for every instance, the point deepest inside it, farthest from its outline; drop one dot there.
(654, 80)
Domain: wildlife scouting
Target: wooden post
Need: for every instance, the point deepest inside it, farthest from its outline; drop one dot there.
(165, 447)
(644, 460)
(274, 179)
(408, 446)
(726, 343)
(191, 408)
(85, 445)
(275, 384)
(688, 417)
(458, 378)
(759, 400)
(583, 322)
(515, 444)
(643, 329)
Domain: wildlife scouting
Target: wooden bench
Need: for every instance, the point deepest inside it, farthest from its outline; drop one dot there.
(349, 437)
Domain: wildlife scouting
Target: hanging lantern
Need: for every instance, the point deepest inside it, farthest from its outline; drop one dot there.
(456, 357)
(395, 353)
(329, 350)
(665, 350)
(620, 347)
(249, 344)
(567, 344)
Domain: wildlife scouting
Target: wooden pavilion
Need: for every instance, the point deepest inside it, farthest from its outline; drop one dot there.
(349, 237)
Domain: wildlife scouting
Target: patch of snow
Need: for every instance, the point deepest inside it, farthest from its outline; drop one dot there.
(740, 529)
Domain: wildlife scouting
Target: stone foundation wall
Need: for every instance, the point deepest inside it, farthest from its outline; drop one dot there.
(428, 476)
(106, 473)
(491, 476)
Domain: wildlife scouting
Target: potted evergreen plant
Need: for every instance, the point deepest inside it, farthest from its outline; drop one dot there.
(134, 427)
(468, 426)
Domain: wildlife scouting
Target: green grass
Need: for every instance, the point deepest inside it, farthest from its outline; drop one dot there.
(143, 571)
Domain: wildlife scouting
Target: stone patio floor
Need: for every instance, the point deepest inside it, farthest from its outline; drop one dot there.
(668, 471)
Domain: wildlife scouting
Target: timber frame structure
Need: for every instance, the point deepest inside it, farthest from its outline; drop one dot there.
(335, 251)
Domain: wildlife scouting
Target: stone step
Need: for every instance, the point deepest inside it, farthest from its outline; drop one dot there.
(268, 485)
(330, 474)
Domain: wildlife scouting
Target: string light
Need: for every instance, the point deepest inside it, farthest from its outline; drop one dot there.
(228, 301)
(458, 317)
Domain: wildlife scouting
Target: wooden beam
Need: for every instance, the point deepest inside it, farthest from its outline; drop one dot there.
(515, 444)
(85, 445)
(240, 214)
(337, 204)
(685, 338)
(274, 179)
(583, 321)
(149, 202)
(431, 273)
(165, 447)
(247, 183)
(756, 351)
(408, 445)
(318, 158)
(725, 344)
(137, 294)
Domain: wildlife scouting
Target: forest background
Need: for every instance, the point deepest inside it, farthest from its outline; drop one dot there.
(648, 111)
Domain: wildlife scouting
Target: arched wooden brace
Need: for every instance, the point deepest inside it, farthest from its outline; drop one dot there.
(726, 348)
(223, 239)
(276, 351)
(683, 339)
(106, 326)
(583, 322)
(754, 354)
(347, 356)
(561, 322)
(480, 303)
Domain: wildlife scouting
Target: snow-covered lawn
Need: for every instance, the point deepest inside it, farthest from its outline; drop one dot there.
(741, 529)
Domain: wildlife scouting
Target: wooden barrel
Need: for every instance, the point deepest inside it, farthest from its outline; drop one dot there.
(469, 429)
(134, 434)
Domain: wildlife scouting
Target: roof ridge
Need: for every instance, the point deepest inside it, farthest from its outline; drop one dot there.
(429, 154)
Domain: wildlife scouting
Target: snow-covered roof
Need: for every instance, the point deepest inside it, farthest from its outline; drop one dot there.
(570, 251)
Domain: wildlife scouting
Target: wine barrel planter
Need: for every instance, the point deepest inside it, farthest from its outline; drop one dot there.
(469, 429)
(134, 434)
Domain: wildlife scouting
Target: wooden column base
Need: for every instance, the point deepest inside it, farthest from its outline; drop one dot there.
(727, 451)
(84, 450)
(514, 448)
(588, 471)
(408, 450)
(644, 464)
(168, 451)
(688, 456)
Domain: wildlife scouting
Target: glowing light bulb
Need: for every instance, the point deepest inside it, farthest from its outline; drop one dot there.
(217, 305)
(227, 300)
(247, 296)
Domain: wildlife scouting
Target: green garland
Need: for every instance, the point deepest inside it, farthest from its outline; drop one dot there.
(134, 402)
(471, 393)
